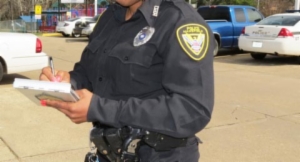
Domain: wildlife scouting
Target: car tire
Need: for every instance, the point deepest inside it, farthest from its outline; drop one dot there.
(258, 56)
(65, 35)
(76, 35)
(216, 50)
(1, 71)
(298, 59)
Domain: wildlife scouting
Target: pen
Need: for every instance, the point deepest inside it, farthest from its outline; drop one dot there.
(52, 65)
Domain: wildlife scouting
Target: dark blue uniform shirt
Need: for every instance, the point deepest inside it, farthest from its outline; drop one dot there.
(164, 85)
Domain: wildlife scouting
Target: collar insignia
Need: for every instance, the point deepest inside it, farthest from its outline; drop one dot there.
(194, 40)
(143, 36)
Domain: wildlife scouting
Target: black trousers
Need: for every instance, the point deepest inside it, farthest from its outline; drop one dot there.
(189, 153)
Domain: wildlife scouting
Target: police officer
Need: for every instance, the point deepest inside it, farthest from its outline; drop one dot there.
(148, 65)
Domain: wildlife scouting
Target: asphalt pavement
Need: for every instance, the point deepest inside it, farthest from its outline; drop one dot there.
(256, 117)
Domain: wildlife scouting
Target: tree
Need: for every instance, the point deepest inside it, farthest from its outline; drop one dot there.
(234, 2)
(201, 2)
(269, 7)
(12, 9)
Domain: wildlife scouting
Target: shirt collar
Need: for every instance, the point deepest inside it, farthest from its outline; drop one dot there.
(147, 9)
(119, 12)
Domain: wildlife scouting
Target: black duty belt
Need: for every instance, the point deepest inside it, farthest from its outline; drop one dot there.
(120, 145)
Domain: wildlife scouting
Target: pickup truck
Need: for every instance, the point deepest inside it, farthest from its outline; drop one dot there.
(227, 22)
(20, 52)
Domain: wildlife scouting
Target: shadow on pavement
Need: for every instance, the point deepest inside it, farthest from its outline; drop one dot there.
(246, 59)
(70, 40)
(234, 51)
(9, 79)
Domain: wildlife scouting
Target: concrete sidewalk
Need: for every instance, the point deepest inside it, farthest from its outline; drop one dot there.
(256, 116)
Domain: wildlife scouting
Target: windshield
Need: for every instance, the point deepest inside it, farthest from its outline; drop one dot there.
(280, 20)
(214, 13)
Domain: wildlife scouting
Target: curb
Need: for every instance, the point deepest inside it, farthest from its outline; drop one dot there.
(52, 35)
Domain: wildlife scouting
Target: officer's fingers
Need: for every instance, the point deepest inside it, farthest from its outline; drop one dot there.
(78, 120)
(46, 74)
(60, 105)
(75, 115)
(44, 77)
(63, 76)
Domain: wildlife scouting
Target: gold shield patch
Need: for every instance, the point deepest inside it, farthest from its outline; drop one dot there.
(194, 40)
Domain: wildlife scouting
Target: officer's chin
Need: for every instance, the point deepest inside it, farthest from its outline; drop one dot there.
(126, 3)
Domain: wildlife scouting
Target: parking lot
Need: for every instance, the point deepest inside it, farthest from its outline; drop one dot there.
(256, 116)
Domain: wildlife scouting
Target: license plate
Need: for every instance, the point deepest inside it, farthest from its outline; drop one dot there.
(257, 44)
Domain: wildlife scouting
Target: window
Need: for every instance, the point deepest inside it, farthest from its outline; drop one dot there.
(254, 16)
(280, 20)
(215, 13)
(239, 15)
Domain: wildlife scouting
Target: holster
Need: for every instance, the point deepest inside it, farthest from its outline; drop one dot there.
(161, 142)
(107, 143)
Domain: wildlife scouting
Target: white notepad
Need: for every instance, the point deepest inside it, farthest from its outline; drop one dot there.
(37, 90)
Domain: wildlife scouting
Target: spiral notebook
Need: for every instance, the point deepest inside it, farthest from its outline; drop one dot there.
(37, 90)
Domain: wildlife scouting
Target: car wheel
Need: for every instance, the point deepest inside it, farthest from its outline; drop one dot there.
(1, 71)
(258, 56)
(76, 35)
(65, 35)
(216, 50)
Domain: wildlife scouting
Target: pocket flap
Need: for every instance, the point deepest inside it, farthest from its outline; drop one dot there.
(141, 55)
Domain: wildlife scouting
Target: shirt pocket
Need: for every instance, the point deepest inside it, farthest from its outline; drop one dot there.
(132, 69)
(128, 54)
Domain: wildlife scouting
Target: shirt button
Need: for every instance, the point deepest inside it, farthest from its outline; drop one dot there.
(100, 79)
(126, 58)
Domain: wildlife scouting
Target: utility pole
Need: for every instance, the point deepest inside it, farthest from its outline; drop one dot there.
(296, 5)
(58, 7)
(12, 17)
(258, 1)
(86, 7)
(11, 11)
(96, 7)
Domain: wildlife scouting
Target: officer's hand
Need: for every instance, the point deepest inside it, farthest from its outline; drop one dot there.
(60, 76)
(76, 111)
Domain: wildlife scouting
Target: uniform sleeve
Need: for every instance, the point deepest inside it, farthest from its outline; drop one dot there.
(188, 79)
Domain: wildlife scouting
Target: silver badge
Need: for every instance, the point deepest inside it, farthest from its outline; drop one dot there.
(143, 36)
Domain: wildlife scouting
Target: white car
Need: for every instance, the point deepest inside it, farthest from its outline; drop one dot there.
(89, 29)
(20, 52)
(278, 34)
(66, 27)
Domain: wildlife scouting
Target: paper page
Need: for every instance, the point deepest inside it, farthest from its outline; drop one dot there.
(42, 85)
(37, 90)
